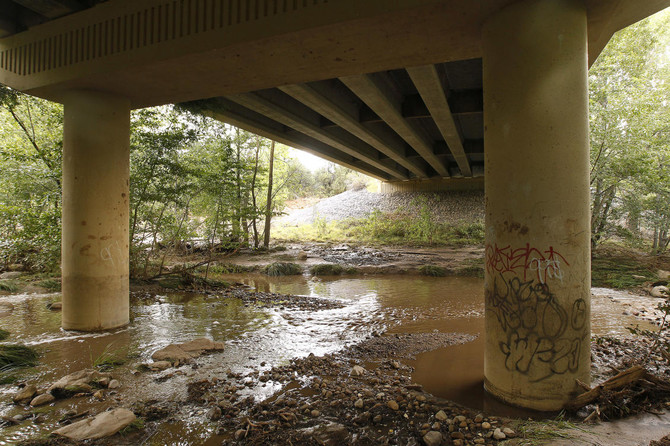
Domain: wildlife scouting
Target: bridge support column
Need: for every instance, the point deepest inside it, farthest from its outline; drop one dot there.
(95, 211)
(537, 280)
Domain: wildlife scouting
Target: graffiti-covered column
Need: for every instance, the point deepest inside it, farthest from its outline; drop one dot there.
(95, 211)
(537, 203)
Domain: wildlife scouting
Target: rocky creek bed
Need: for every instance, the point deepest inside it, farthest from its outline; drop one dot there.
(362, 394)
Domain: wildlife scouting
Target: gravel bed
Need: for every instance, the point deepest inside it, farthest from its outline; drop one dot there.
(446, 207)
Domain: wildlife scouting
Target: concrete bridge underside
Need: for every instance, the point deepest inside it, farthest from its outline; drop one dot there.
(403, 90)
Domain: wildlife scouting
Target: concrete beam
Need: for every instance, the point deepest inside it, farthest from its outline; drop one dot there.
(382, 101)
(280, 114)
(344, 119)
(234, 114)
(427, 81)
(50, 8)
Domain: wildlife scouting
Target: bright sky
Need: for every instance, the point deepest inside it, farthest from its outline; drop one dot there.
(308, 160)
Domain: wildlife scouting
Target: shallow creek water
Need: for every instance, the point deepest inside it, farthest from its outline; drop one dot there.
(259, 338)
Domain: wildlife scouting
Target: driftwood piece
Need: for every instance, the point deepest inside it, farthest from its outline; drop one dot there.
(616, 382)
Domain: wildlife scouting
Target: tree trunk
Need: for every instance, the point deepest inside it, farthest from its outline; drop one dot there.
(235, 221)
(268, 207)
(253, 193)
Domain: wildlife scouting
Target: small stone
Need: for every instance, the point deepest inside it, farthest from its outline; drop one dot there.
(215, 413)
(332, 434)
(99, 395)
(479, 418)
(486, 425)
(392, 405)
(441, 416)
(458, 442)
(357, 370)
(433, 438)
(315, 413)
(509, 432)
(436, 426)
(457, 435)
(25, 395)
(41, 400)
(104, 382)
(55, 306)
(377, 419)
(114, 384)
(359, 403)
(396, 365)
(498, 434)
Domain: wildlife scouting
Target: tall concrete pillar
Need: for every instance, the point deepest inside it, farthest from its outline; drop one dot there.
(537, 281)
(95, 211)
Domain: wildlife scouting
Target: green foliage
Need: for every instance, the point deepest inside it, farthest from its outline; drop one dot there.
(8, 285)
(30, 188)
(17, 355)
(283, 269)
(50, 284)
(136, 425)
(109, 358)
(432, 270)
(4, 334)
(619, 272)
(630, 142)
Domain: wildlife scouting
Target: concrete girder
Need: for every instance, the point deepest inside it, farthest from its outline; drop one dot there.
(385, 103)
(249, 120)
(355, 149)
(427, 81)
(325, 106)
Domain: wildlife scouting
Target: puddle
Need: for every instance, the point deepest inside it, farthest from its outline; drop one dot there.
(259, 338)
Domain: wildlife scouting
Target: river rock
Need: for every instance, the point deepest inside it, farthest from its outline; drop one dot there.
(660, 291)
(41, 400)
(160, 365)
(357, 370)
(332, 434)
(441, 416)
(25, 394)
(302, 255)
(393, 405)
(498, 434)
(486, 425)
(81, 379)
(100, 426)
(185, 352)
(509, 432)
(433, 438)
(114, 384)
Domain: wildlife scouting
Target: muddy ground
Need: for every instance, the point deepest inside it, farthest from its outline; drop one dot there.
(364, 394)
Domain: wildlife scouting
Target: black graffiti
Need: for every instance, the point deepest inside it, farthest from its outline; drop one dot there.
(542, 337)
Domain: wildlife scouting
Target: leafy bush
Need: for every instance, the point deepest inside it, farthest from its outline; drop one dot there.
(283, 269)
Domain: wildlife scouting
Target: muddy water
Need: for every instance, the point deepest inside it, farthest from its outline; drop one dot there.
(258, 338)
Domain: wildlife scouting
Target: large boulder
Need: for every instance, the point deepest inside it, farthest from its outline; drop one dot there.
(185, 352)
(100, 426)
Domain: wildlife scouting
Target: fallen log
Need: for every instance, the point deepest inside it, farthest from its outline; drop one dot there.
(616, 382)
